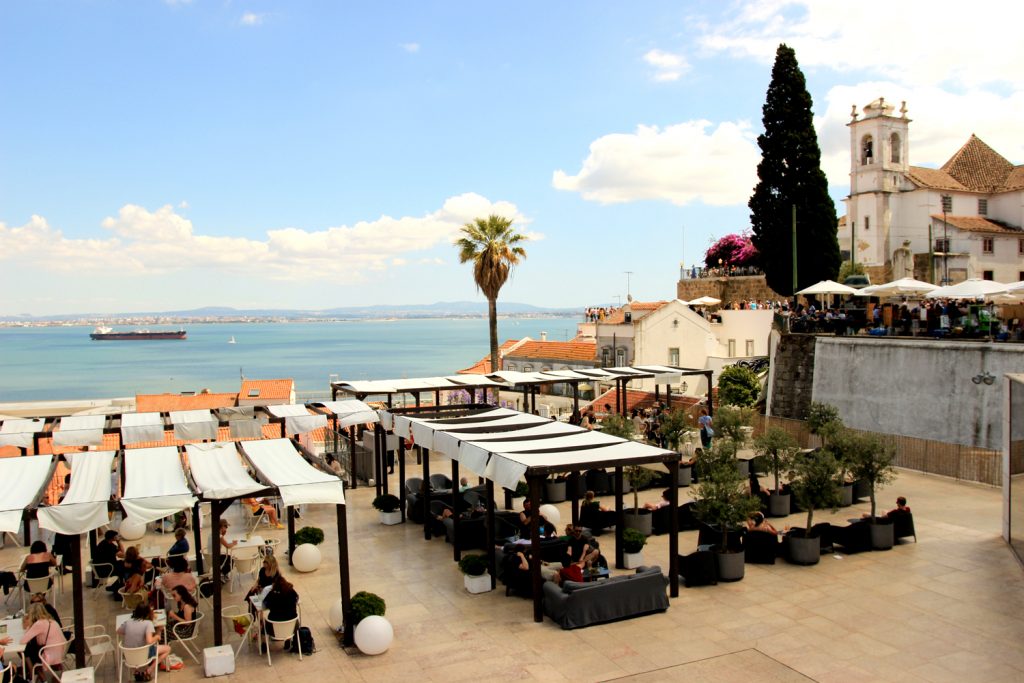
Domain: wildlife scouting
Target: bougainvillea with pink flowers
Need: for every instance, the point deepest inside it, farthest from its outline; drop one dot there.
(733, 250)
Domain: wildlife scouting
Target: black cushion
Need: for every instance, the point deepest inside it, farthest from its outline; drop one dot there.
(699, 569)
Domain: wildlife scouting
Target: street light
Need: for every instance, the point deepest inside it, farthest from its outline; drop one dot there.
(947, 201)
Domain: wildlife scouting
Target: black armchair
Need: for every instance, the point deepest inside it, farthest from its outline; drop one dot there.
(902, 524)
(699, 569)
(854, 538)
(761, 547)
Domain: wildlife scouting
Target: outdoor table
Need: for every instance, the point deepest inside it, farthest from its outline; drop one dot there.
(86, 674)
(248, 541)
(257, 604)
(14, 629)
(595, 574)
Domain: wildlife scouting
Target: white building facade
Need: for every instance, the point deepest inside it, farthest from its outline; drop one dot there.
(960, 221)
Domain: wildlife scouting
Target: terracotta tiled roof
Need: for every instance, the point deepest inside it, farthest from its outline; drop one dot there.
(934, 178)
(1014, 181)
(164, 403)
(639, 399)
(555, 350)
(483, 366)
(978, 167)
(617, 317)
(978, 224)
(272, 389)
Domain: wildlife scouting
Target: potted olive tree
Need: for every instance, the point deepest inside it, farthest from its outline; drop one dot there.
(732, 424)
(872, 462)
(824, 422)
(674, 425)
(474, 573)
(636, 477)
(812, 479)
(388, 507)
(633, 543)
(778, 447)
(722, 502)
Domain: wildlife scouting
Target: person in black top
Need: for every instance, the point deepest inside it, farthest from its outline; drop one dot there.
(105, 558)
(580, 549)
(282, 602)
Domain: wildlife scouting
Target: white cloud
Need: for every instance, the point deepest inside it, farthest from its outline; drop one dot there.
(910, 42)
(681, 163)
(410, 47)
(141, 241)
(252, 19)
(669, 66)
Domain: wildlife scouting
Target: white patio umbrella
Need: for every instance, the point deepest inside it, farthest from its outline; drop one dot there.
(906, 286)
(705, 301)
(827, 287)
(974, 288)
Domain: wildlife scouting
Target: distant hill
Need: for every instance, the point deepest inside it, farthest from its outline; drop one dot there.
(436, 310)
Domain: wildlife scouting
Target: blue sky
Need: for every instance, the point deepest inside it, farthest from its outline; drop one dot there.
(160, 155)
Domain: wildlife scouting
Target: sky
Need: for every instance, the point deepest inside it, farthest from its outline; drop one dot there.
(175, 154)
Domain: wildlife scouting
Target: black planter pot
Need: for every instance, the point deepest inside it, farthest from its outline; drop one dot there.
(846, 495)
(641, 520)
(730, 566)
(554, 491)
(778, 504)
(882, 536)
(803, 549)
(861, 489)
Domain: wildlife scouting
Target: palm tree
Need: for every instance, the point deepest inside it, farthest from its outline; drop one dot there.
(492, 245)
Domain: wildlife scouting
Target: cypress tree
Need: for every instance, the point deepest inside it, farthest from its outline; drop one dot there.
(790, 174)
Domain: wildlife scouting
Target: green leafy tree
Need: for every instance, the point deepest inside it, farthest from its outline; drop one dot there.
(872, 461)
(738, 386)
(849, 268)
(721, 497)
(675, 423)
(617, 425)
(823, 420)
(494, 248)
(730, 423)
(638, 476)
(812, 478)
(790, 175)
(779, 447)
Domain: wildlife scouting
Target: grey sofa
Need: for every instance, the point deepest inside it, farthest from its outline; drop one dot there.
(574, 605)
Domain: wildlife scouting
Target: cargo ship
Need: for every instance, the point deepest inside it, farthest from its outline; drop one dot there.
(107, 334)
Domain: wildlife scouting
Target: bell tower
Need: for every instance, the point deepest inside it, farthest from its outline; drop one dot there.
(879, 161)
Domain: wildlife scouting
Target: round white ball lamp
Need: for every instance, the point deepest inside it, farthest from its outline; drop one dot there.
(131, 530)
(551, 513)
(306, 558)
(336, 616)
(374, 635)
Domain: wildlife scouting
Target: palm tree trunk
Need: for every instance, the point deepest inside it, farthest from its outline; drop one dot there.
(492, 320)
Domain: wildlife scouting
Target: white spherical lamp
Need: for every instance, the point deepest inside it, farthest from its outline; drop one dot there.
(336, 616)
(131, 530)
(551, 513)
(374, 635)
(306, 558)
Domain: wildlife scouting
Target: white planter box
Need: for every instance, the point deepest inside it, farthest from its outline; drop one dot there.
(391, 518)
(218, 661)
(477, 584)
(632, 560)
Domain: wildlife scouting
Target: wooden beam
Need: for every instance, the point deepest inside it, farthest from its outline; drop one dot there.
(673, 528)
(537, 581)
(79, 607)
(343, 575)
(620, 520)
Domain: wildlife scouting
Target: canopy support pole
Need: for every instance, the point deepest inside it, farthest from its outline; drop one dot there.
(377, 429)
(536, 580)
(197, 538)
(291, 535)
(711, 404)
(352, 457)
(576, 397)
(216, 508)
(620, 520)
(456, 553)
(401, 476)
(673, 528)
(343, 575)
(668, 396)
(574, 487)
(427, 516)
(491, 555)
(79, 607)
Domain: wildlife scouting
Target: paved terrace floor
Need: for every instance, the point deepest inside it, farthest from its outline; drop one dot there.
(948, 608)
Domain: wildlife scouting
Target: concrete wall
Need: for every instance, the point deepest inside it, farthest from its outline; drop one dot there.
(913, 388)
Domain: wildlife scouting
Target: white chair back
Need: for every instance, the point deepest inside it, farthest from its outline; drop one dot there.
(280, 630)
(136, 658)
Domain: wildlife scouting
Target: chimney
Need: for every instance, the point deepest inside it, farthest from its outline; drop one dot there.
(543, 336)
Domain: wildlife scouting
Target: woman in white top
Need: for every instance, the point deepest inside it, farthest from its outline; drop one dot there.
(139, 631)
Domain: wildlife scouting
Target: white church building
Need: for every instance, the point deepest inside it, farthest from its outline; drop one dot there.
(960, 221)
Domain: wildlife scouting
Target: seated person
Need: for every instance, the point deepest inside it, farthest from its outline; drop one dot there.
(265, 577)
(140, 631)
(41, 630)
(572, 572)
(135, 591)
(335, 465)
(901, 506)
(40, 599)
(661, 503)
(180, 546)
(106, 557)
(38, 562)
(178, 574)
(581, 550)
(281, 603)
(757, 522)
(588, 499)
(464, 485)
(263, 506)
(185, 607)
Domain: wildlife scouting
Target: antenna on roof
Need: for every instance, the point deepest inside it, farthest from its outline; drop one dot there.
(241, 374)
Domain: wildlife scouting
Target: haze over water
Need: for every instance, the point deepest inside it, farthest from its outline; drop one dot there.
(56, 363)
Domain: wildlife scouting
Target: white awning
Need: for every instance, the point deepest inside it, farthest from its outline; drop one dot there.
(663, 374)
(154, 484)
(21, 480)
(194, 425)
(512, 377)
(566, 375)
(18, 432)
(414, 385)
(84, 508)
(423, 428)
(506, 469)
(297, 418)
(470, 380)
(351, 412)
(140, 427)
(449, 442)
(299, 483)
(218, 471)
(80, 430)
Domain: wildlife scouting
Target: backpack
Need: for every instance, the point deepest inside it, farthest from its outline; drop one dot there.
(303, 641)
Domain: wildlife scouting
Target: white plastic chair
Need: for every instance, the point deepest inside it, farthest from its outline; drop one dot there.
(7, 672)
(232, 612)
(137, 658)
(105, 568)
(97, 645)
(245, 560)
(281, 630)
(45, 667)
(43, 584)
(179, 631)
(270, 547)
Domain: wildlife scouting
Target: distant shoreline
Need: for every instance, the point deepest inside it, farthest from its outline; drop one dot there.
(137, 321)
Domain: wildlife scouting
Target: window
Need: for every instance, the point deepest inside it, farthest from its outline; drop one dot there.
(620, 357)
(867, 150)
(1020, 245)
(750, 348)
(947, 203)
(894, 147)
(606, 357)
(982, 207)
(673, 357)
(527, 368)
(1020, 275)
(942, 245)
(731, 353)
(988, 275)
(510, 366)
(987, 245)
(867, 223)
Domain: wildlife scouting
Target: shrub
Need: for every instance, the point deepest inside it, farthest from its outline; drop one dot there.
(732, 250)
(722, 498)
(309, 534)
(365, 604)
(522, 490)
(386, 502)
(823, 421)
(674, 423)
(473, 565)
(617, 425)
(633, 541)
(738, 386)
(779, 447)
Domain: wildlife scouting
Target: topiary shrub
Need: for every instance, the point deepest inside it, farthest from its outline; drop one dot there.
(309, 534)
(473, 565)
(738, 386)
(366, 604)
(386, 502)
(633, 541)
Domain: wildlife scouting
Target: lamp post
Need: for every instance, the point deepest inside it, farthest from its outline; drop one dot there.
(946, 201)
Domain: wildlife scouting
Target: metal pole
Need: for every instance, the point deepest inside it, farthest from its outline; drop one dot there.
(291, 534)
(538, 582)
(620, 520)
(343, 575)
(401, 475)
(673, 528)
(218, 634)
(79, 607)
(197, 537)
(794, 254)
(456, 553)
(492, 560)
